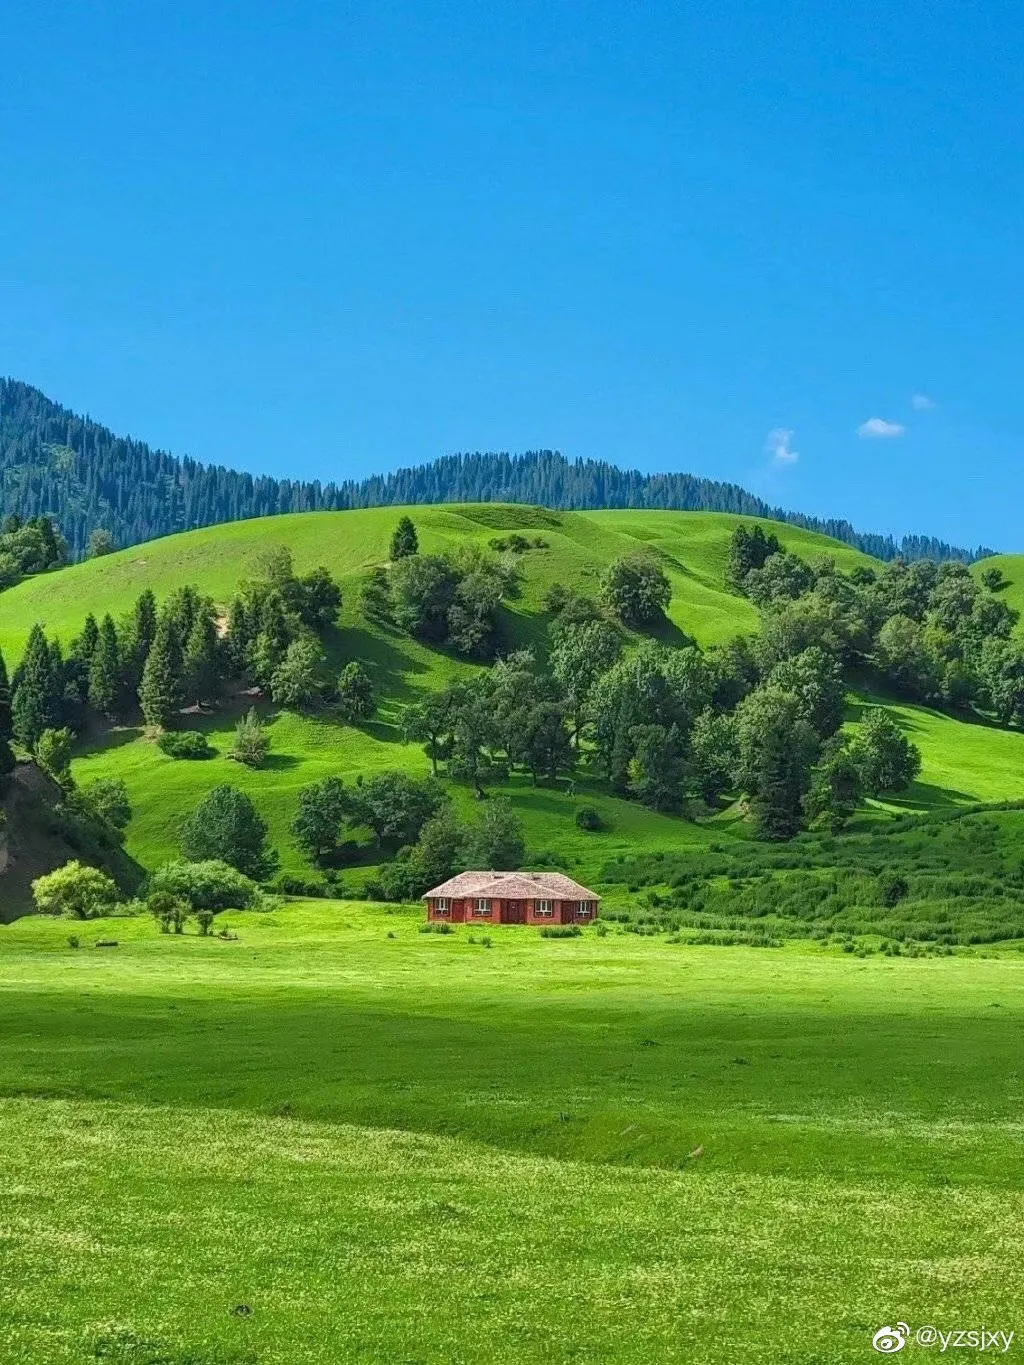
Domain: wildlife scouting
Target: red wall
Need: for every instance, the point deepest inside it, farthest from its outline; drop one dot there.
(463, 912)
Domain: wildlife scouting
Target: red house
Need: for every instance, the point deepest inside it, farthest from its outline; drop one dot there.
(511, 898)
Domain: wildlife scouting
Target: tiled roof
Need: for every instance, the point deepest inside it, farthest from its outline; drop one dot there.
(512, 886)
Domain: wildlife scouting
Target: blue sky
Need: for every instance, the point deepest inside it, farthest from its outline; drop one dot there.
(330, 239)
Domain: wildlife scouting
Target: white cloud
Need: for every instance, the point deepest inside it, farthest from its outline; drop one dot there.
(920, 402)
(878, 429)
(778, 444)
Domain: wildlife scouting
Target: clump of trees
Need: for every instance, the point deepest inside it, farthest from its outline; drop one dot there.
(448, 599)
(412, 820)
(157, 660)
(636, 588)
(930, 632)
(29, 547)
(447, 845)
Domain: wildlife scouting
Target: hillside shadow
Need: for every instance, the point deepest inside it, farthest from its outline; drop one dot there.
(871, 697)
(389, 667)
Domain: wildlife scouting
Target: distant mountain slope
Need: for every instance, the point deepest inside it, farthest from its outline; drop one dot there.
(55, 462)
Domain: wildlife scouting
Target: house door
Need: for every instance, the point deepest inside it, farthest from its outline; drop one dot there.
(513, 912)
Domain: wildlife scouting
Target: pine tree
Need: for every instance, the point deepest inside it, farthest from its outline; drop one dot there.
(239, 636)
(160, 692)
(143, 628)
(200, 663)
(85, 645)
(136, 638)
(104, 670)
(405, 541)
(35, 703)
(6, 732)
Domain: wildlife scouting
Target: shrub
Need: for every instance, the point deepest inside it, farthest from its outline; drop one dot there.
(106, 799)
(188, 744)
(289, 885)
(209, 885)
(75, 890)
(587, 817)
(251, 743)
(561, 931)
(169, 911)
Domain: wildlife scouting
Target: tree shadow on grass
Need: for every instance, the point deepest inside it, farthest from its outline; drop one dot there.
(666, 632)
(389, 667)
(280, 762)
(102, 740)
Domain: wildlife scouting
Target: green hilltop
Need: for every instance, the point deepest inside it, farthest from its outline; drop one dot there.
(962, 762)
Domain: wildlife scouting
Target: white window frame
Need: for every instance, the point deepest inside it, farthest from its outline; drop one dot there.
(482, 907)
(442, 906)
(544, 909)
(584, 909)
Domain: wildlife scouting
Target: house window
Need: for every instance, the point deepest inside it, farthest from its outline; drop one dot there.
(584, 909)
(442, 907)
(482, 908)
(543, 909)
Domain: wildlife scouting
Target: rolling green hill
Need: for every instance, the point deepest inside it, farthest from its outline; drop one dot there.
(693, 547)
(962, 762)
(1012, 569)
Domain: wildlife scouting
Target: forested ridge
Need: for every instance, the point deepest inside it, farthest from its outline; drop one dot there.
(54, 462)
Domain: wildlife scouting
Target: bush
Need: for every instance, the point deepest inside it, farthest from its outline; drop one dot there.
(75, 890)
(251, 743)
(169, 911)
(106, 799)
(185, 744)
(587, 817)
(561, 931)
(209, 885)
(289, 885)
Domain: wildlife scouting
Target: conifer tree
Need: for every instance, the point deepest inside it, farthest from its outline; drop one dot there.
(160, 692)
(35, 703)
(136, 637)
(145, 620)
(85, 645)
(200, 664)
(6, 731)
(104, 670)
(239, 637)
(405, 541)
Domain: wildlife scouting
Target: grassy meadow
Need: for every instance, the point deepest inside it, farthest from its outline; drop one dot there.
(389, 1145)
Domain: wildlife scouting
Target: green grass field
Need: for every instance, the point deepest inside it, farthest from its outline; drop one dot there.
(393, 1146)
